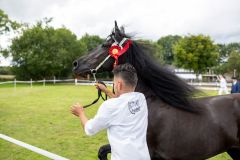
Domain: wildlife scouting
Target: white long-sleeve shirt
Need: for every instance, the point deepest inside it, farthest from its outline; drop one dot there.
(126, 120)
(223, 83)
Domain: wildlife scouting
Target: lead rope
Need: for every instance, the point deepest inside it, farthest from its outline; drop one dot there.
(99, 95)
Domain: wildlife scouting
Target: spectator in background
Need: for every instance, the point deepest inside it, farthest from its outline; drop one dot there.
(235, 85)
(223, 85)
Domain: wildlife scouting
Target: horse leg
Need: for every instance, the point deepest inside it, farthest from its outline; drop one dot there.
(234, 153)
(103, 152)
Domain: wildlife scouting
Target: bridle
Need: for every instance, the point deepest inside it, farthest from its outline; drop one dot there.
(116, 50)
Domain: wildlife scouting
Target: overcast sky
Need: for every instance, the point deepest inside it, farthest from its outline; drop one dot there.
(149, 19)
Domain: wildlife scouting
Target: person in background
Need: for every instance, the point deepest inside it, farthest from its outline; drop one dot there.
(235, 85)
(223, 85)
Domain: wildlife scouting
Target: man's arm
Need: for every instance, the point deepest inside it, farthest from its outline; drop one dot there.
(78, 111)
(100, 121)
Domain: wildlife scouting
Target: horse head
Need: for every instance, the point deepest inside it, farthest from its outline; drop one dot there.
(100, 56)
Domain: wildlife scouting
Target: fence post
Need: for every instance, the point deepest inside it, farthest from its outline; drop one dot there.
(15, 83)
(31, 82)
(54, 80)
(44, 82)
(76, 81)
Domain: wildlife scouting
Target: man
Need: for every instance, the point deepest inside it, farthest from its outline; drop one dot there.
(125, 117)
(223, 85)
(235, 85)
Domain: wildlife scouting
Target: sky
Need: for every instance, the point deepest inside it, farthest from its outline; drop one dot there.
(147, 19)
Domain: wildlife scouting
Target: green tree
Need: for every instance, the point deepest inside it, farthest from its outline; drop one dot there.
(233, 62)
(225, 50)
(6, 24)
(155, 49)
(43, 52)
(90, 41)
(166, 44)
(196, 53)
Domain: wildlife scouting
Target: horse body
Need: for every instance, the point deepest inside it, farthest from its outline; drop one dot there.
(173, 133)
(180, 127)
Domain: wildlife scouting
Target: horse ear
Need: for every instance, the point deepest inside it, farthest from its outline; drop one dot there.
(117, 32)
(116, 26)
(122, 30)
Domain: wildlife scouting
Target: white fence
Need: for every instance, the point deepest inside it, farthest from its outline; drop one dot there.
(200, 85)
(208, 85)
(54, 81)
(33, 148)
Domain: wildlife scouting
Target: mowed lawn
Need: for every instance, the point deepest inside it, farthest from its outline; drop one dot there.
(40, 116)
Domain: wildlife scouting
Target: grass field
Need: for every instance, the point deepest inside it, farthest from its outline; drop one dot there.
(40, 116)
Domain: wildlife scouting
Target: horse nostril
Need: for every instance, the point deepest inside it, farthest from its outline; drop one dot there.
(75, 64)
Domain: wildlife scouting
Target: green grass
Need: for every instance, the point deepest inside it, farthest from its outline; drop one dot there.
(40, 116)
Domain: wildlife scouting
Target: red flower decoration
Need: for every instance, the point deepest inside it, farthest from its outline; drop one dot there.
(114, 51)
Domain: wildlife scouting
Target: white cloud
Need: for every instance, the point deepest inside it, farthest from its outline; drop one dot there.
(150, 18)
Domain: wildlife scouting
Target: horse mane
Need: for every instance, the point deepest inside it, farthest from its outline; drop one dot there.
(164, 84)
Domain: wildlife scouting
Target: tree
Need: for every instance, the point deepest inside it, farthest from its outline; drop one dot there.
(196, 53)
(225, 50)
(233, 62)
(90, 41)
(43, 52)
(155, 49)
(6, 24)
(166, 44)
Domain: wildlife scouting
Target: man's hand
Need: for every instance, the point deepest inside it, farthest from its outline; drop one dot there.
(101, 87)
(105, 90)
(77, 110)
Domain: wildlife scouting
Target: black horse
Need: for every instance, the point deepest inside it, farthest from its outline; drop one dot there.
(180, 127)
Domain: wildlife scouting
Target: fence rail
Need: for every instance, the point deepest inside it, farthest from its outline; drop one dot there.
(200, 85)
(54, 81)
(33, 148)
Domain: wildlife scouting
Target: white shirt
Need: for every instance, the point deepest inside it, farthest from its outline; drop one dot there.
(126, 120)
(223, 83)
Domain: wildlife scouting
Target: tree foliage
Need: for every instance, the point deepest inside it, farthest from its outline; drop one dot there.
(154, 48)
(196, 53)
(43, 52)
(226, 49)
(90, 42)
(166, 45)
(234, 62)
(7, 24)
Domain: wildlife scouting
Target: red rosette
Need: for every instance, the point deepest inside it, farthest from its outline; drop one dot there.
(114, 51)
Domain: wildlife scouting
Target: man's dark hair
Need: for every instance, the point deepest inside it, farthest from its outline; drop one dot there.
(128, 73)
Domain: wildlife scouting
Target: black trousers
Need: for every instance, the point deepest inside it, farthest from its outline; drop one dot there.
(103, 152)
